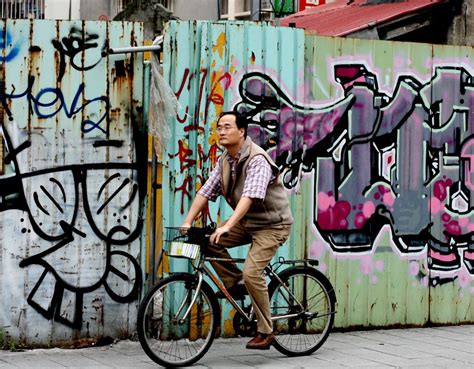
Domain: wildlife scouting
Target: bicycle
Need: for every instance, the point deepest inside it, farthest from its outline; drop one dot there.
(178, 319)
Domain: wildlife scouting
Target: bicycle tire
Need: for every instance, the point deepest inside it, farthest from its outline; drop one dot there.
(305, 334)
(165, 339)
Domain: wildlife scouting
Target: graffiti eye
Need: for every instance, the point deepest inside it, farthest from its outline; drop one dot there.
(49, 196)
(118, 190)
(113, 202)
(51, 199)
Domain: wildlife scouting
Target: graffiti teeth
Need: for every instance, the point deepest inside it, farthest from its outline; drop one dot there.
(343, 241)
(443, 258)
(411, 243)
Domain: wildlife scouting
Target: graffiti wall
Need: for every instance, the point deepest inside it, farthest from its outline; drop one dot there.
(71, 188)
(373, 140)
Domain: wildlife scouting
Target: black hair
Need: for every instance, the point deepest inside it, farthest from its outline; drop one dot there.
(240, 120)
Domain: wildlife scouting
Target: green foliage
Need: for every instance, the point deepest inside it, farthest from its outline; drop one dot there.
(6, 342)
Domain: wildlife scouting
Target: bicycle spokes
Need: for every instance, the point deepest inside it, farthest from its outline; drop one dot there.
(178, 323)
(304, 310)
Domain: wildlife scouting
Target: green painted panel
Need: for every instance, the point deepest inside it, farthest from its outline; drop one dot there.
(452, 298)
(373, 142)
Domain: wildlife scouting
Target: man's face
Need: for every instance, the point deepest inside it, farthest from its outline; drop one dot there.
(228, 132)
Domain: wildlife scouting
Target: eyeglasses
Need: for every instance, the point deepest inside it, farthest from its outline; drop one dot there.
(224, 128)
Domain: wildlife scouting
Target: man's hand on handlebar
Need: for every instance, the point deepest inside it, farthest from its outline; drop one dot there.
(184, 227)
(222, 230)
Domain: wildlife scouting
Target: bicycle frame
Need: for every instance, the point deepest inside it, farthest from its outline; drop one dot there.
(202, 269)
(173, 333)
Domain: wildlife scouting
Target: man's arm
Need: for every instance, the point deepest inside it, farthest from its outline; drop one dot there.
(241, 209)
(198, 204)
(209, 191)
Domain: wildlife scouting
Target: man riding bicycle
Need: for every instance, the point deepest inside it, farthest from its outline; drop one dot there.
(249, 180)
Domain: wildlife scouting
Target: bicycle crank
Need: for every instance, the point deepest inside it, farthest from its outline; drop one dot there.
(242, 326)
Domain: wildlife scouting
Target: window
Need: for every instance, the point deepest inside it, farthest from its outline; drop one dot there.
(119, 5)
(22, 9)
(166, 4)
(284, 7)
(242, 8)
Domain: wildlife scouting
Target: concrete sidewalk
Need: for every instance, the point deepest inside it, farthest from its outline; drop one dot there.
(441, 347)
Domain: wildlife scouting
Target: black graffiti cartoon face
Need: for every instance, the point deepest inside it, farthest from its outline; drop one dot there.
(81, 212)
(402, 160)
(76, 182)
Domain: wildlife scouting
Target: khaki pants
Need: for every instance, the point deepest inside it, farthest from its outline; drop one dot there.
(265, 243)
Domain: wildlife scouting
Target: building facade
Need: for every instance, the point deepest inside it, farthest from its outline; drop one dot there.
(71, 9)
(181, 9)
(263, 9)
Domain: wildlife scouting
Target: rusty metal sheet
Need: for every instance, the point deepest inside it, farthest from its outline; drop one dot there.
(204, 63)
(71, 197)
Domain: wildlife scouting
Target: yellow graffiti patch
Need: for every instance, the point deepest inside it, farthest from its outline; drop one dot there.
(219, 46)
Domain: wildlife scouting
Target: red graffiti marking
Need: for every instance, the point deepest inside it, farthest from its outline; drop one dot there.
(185, 188)
(178, 94)
(214, 95)
(335, 217)
(219, 82)
(183, 154)
(440, 189)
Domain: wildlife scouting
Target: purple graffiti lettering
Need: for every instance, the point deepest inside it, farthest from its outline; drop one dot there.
(402, 160)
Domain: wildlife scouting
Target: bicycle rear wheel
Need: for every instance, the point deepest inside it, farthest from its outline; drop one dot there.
(305, 333)
(165, 337)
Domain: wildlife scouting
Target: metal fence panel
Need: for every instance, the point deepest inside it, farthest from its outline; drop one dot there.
(204, 63)
(372, 139)
(449, 95)
(72, 192)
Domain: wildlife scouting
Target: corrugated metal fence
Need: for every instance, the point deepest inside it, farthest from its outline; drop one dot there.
(71, 189)
(373, 140)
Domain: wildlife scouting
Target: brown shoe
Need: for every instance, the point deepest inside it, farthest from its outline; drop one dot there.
(261, 341)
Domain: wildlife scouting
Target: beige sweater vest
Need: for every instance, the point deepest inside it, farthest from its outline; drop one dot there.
(274, 210)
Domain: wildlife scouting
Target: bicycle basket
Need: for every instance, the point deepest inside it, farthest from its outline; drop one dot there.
(179, 243)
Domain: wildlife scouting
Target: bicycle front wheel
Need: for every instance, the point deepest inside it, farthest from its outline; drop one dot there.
(169, 338)
(307, 295)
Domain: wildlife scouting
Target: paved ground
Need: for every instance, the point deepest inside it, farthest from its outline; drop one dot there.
(442, 347)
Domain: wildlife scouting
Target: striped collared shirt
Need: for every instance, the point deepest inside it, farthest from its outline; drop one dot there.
(259, 175)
